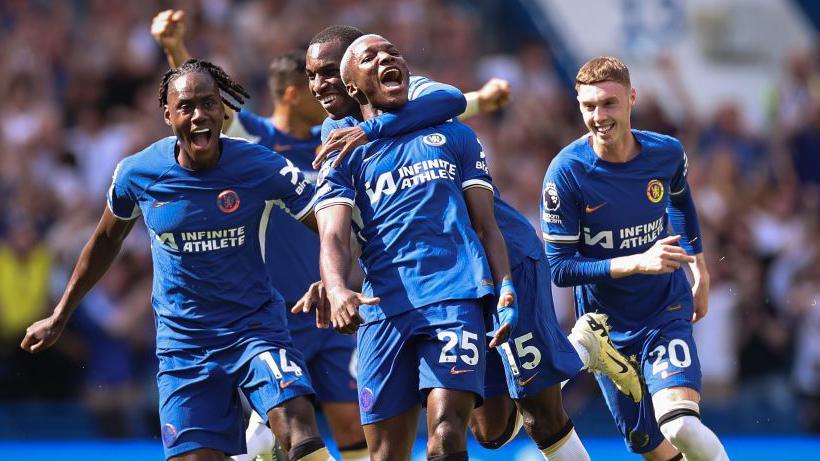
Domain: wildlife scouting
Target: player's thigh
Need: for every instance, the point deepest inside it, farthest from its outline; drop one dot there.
(343, 419)
(670, 358)
(635, 421)
(387, 372)
(538, 355)
(491, 420)
(293, 421)
(392, 438)
(544, 410)
(199, 407)
(451, 338)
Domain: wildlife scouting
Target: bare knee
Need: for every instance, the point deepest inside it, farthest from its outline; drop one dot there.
(293, 422)
(491, 422)
(544, 415)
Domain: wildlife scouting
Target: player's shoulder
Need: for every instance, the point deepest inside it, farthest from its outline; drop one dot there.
(573, 157)
(330, 124)
(155, 156)
(657, 142)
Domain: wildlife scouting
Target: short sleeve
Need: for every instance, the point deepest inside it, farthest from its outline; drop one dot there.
(122, 201)
(335, 185)
(473, 162)
(289, 188)
(248, 126)
(678, 182)
(560, 219)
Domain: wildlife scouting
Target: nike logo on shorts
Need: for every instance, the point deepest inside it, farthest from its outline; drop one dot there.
(454, 371)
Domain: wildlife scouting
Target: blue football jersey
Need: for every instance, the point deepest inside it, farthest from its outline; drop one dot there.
(409, 214)
(521, 238)
(208, 229)
(292, 250)
(604, 210)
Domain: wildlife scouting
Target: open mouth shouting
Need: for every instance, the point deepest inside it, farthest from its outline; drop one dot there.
(391, 77)
(201, 138)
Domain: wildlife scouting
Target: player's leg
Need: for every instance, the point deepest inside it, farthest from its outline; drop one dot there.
(259, 440)
(276, 386)
(388, 383)
(549, 426)
(392, 438)
(496, 422)
(343, 419)
(452, 360)
(448, 411)
(536, 359)
(333, 373)
(672, 372)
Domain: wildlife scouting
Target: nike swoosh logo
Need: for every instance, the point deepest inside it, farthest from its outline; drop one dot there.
(666, 374)
(524, 382)
(454, 371)
(284, 384)
(593, 209)
(623, 366)
(159, 204)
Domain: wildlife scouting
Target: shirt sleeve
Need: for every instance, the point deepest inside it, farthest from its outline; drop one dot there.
(330, 124)
(122, 201)
(683, 215)
(248, 126)
(288, 187)
(473, 162)
(335, 185)
(430, 103)
(560, 225)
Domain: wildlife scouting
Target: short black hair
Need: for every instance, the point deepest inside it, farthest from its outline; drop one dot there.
(285, 70)
(223, 81)
(345, 35)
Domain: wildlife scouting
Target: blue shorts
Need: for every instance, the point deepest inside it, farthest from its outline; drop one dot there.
(667, 357)
(541, 350)
(404, 356)
(199, 403)
(330, 357)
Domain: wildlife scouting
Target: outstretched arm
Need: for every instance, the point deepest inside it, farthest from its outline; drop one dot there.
(94, 261)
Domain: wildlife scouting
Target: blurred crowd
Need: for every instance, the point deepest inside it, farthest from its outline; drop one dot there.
(79, 84)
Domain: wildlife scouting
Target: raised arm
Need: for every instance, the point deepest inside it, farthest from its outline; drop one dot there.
(97, 255)
(168, 30)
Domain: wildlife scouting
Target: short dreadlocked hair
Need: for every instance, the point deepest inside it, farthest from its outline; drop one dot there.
(345, 35)
(286, 70)
(223, 81)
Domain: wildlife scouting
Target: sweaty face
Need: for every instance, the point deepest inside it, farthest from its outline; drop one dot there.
(325, 82)
(195, 113)
(605, 107)
(378, 71)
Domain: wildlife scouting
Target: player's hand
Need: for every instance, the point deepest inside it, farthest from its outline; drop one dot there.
(168, 29)
(507, 310)
(316, 297)
(343, 140)
(663, 257)
(42, 334)
(344, 309)
(493, 95)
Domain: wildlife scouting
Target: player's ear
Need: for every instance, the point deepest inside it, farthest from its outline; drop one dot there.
(291, 94)
(167, 115)
(633, 95)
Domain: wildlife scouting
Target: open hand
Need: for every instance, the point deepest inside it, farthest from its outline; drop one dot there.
(344, 309)
(343, 140)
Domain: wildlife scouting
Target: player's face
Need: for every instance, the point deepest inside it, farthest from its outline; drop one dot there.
(325, 82)
(308, 106)
(379, 73)
(606, 107)
(195, 113)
